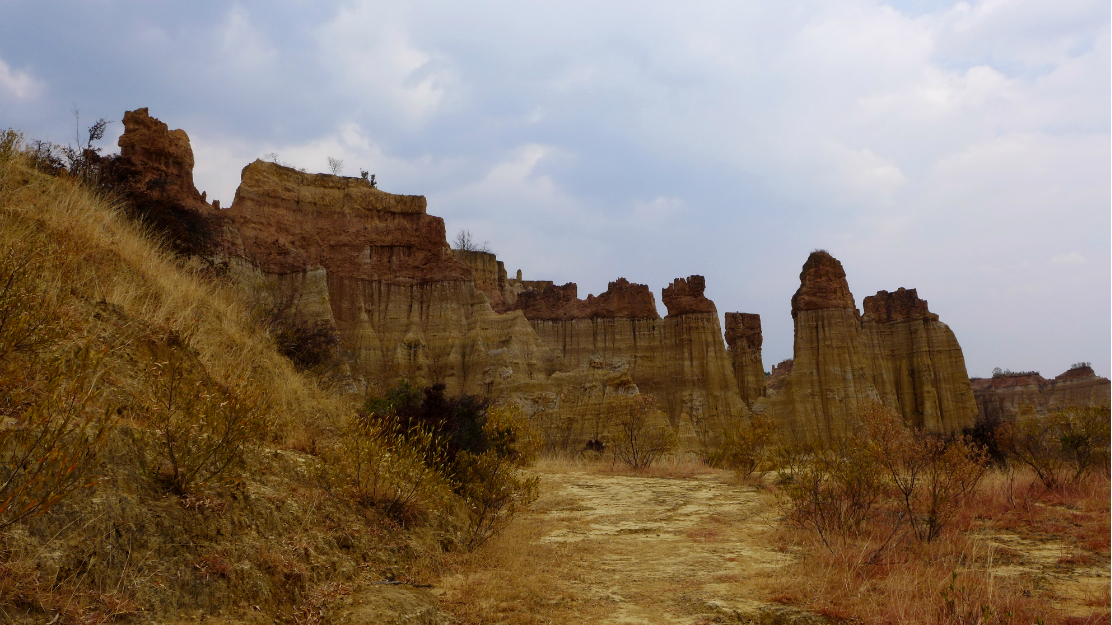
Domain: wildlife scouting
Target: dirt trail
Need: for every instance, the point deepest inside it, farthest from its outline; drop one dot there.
(658, 550)
(667, 550)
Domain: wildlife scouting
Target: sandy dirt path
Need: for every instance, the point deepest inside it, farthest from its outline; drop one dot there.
(631, 549)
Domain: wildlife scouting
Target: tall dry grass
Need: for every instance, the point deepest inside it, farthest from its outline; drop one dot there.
(966, 575)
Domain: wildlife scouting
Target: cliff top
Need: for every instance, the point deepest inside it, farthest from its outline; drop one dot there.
(901, 305)
(822, 285)
(622, 299)
(743, 329)
(685, 296)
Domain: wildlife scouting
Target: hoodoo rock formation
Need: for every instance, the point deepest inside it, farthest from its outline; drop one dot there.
(378, 269)
(1003, 396)
(681, 359)
(743, 343)
(898, 354)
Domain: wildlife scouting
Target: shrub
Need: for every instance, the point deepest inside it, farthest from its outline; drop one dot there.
(834, 491)
(643, 434)
(479, 449)
(490, 482)
(1065, 445)
(50, 430)
(748, 448)
(50, 440)
(931, 477)
(386, 468)
(199, 427)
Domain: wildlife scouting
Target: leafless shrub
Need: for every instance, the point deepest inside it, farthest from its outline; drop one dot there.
(643, 434)
(466, 242)
(748, 447)
(199, 427)
(930, 476)
(50, 433)
(1064, 446)
(335, 165)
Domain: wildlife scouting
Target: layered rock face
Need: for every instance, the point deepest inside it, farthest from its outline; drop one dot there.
(403, 303)
(681, 359)
(1002, 397)
(899, 354)
(743, 344)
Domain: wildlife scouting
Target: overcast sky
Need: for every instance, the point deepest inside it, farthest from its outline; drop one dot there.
(962, 149)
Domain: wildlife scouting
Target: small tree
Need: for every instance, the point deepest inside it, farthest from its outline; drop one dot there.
(335, 165)
(465, 242)
(748, 447)
(1065, 445)
(643, 434)
(199, 427)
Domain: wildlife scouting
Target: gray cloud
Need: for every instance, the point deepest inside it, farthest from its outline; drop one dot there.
(960, 148)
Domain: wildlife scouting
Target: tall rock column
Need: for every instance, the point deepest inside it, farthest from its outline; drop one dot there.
(743, 343)
(899, 354)
(701, 379)
(916, 363)
(829, 382)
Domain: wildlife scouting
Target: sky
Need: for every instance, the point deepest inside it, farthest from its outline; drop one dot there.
(960, 148)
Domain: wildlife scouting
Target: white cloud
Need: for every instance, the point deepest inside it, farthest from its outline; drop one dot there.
(1071, 258)
(21, 85)
(367, 47)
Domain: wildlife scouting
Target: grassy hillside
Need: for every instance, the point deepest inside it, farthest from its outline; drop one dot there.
(160, 457)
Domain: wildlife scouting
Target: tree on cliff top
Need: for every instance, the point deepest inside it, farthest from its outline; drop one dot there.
(464, 241)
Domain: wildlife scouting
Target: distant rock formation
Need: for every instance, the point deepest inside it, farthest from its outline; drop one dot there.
(899, 354)
(743, 343)
(681, 359)
(377, 268)
(1001, 397)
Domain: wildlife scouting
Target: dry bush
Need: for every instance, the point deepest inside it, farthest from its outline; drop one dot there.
(51, 430)
(930, 476)
(491, 482)
(642, 434)
(198, 426)
(395, 471)
(835, 492)
(748, 447)
(1063, 446)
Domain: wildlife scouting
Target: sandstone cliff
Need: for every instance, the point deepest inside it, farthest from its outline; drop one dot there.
(681, 359)
(898, 354)
(1001, 397)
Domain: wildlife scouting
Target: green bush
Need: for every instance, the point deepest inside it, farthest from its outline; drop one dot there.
(749, 447)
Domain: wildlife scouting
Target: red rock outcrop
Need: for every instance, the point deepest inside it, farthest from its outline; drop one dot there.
(685, 297)
(155, 160)
(1001, 397)
(822, 285)
(561, 303)
(898, 354)
(743, 343)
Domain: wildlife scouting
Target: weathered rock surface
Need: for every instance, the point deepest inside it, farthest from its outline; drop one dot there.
(381, 268)
(743, 343)
(1001, 397)
(680, 359)
(622, 299)
(156, 161)
(898, 354)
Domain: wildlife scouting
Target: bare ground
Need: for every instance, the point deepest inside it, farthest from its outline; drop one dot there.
(633, 549)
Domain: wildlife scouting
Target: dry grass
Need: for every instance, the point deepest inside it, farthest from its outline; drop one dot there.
(276, 534)
(679, 466)
(515, 579)
(969, 565)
